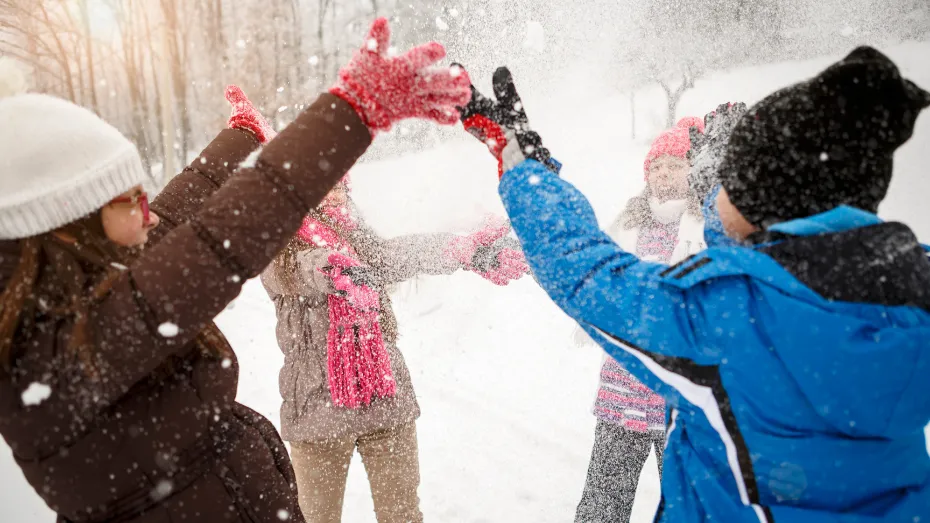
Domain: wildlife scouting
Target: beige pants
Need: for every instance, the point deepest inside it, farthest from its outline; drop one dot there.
(391, 461)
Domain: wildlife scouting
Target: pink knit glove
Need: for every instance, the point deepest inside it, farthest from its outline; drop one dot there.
(462, 248)
(384, 90)
(246, 116)
(511, 264)
(359, 296)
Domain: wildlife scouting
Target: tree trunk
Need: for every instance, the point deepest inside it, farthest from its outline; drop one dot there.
(85, 16)
(322, 64)
(633, 114)
(297, 47)
(175, 47)
(62, 57)
(673, 97)
(161, 73)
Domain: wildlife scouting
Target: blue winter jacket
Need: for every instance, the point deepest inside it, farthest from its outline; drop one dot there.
(795, 370)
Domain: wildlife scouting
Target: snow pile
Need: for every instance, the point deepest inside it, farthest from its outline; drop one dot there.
(506, 431)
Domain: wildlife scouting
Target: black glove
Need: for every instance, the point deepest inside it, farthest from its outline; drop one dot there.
(495, 123)
(708, 148)
(363, 276)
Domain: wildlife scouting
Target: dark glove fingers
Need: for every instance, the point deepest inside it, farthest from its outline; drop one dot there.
(508, 100)
(485, 258)
(697, 139)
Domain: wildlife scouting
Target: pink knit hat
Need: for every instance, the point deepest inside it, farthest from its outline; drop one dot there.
(673, 142)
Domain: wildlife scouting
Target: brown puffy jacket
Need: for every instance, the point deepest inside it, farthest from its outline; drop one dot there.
(154, 434)
(299, 291)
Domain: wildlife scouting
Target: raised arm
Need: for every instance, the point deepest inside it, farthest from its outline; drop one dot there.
(405, 257)
(583, 270)
(177, 287)
(586, 273)
(185, 194)
(487, 252)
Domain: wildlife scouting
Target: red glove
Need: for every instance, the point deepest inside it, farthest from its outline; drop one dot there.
(384, 90)
(246, 116)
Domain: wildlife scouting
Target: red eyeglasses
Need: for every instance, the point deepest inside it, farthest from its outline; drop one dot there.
(142, 199)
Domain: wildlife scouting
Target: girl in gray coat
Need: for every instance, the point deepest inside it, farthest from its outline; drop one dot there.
(344, 382)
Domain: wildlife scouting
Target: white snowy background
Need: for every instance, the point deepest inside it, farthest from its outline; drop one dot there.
(506, 431)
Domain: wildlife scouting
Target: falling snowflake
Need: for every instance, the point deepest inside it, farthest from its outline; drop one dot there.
(284, 515)
(226, 244)
(313, 60)
(441, 24)
(535, 180)
(226, 363)
(251, 159)
(162, 490)
(372, 44)
(168, 329)
(36, 394)
(240, 43)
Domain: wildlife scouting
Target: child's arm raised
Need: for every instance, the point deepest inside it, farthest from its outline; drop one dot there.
(184, 195)
(587, 274)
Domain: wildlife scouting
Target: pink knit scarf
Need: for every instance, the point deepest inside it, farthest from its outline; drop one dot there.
(358, 364)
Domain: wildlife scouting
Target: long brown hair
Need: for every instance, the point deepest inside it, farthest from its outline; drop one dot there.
(62, 274)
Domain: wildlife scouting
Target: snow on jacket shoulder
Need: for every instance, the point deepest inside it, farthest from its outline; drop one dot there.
(795, 367)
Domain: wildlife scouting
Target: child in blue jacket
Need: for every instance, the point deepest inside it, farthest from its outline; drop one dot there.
(794, 353)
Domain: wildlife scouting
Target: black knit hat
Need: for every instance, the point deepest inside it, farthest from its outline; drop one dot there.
(822, 143)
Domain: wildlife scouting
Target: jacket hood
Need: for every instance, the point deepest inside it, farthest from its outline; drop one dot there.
(869, 338)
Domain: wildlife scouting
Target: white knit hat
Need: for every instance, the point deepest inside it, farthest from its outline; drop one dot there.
(59, 163)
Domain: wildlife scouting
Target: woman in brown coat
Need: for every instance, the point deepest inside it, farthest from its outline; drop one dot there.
(117, 392)
(344, 382)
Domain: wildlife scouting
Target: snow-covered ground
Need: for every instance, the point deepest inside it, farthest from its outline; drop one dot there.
(506, 431)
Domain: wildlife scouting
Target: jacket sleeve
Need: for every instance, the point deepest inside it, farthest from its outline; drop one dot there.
(620, 300)
(405, 257)
(309, 281)
(177, 287)
(185, 194)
